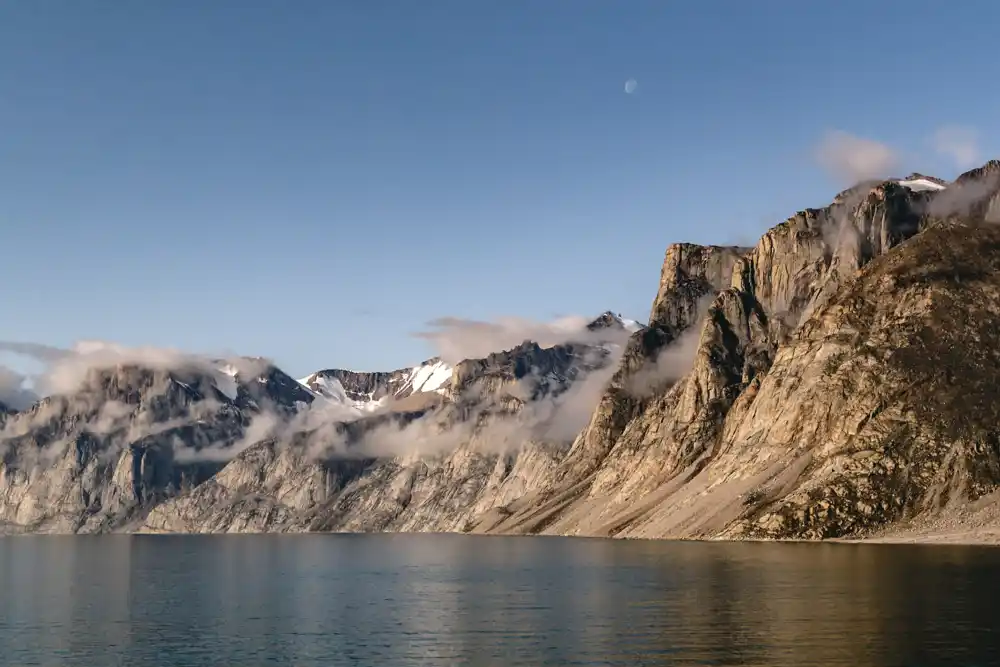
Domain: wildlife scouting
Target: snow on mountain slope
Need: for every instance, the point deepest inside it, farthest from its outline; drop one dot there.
(919, 184)
(429, 376)
(226, 381)
(630, 325)
(331, 389)
(371, 391)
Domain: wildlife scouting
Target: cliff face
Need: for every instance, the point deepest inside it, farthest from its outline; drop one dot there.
(743, 445)
(836, 380)
(129, 437)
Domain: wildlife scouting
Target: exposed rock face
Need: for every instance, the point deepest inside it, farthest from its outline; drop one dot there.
(481, 458)
(142, 449)
(703, 457)
(128, 438)
(839, 379)
(690, 273)
(362, 386)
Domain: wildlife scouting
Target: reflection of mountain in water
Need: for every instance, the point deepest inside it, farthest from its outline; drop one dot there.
(410, 599)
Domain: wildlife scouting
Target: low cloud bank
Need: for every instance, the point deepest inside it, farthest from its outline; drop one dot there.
(210, 429)
(456, 339)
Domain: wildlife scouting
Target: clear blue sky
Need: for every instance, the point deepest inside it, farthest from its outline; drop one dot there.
(313, 180)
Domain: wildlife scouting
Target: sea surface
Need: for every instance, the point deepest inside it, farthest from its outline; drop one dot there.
(173, 601)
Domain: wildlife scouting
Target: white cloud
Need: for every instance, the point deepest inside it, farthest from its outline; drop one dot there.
(960, 144)
(852, 159)
(66, 369)
(13, 392)
(457, 339)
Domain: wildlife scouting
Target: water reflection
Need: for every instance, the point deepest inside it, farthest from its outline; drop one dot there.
(414, 600)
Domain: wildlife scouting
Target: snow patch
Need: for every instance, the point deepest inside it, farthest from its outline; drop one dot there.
(229, 370)
(627, 324)
(432, 377)
(920, 184)
(226, 382)
(227, 385)
(330, 389)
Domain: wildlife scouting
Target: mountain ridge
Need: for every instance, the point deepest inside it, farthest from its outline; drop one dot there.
(818, 385)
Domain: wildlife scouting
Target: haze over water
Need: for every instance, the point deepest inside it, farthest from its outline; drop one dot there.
(445, 599)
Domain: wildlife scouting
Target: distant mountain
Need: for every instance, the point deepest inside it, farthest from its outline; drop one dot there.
(366, 392)
(132, 439)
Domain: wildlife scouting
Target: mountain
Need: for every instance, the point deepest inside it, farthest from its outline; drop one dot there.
(366, 392)
(130, 439)
(425, 383)
(823, 401)
(836, 380)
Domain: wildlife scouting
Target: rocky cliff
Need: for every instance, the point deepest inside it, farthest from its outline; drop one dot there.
(805, 414)
(837, 380)
(190, 448)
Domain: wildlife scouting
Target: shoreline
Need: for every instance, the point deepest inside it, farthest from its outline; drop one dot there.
(973, 538)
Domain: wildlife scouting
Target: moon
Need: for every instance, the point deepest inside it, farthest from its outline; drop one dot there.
(630, 86)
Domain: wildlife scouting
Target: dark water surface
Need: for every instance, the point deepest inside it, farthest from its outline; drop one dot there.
(464, 600)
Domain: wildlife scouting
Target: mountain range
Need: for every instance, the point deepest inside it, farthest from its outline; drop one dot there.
(836, 380)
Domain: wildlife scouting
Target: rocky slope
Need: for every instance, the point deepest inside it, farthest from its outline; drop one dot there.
(837, 380)
(136, 447)
(508, 421)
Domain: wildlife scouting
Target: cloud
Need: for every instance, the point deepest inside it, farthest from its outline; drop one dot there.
(851, 159)
(671, 364)
(324, 429)
(261, 427)
(13, 393)
(68, 369)
(456, 339)
(560, 416)
(963, 197)
(46, 431)
(488, 422)
(958, 143)
(44, 353)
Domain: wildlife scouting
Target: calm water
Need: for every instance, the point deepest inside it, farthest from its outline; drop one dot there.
(463, 600)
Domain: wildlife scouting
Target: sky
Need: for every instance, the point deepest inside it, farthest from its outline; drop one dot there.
(315, 181)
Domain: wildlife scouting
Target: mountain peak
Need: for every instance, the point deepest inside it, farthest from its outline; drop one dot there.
(611, 320)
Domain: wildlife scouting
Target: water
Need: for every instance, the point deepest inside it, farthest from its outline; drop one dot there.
(463, 600)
